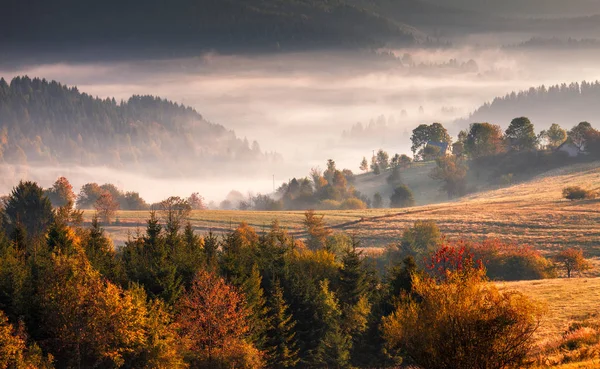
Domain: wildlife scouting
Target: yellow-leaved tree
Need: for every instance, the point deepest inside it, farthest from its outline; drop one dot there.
(457, 319)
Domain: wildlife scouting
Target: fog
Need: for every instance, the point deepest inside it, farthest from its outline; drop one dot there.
(299, 104)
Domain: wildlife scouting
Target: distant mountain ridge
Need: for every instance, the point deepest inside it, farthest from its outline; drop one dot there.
(197, 25)
(47, 123)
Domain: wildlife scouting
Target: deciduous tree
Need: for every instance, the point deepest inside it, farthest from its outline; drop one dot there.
(317, 230)
(212, 315)
(452, 172)
(571, 260)
(462, 321)
(483, 139)
(520, 135)
(106, 206)
(61, 193)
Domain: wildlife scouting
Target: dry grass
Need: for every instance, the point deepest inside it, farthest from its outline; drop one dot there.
(533, 213)
(566, 301)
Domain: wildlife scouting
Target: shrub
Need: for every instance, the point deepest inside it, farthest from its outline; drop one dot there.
(580, 342)
(511, 262)
(402, 197)
(507, 179)
(420, 239)
(353, 204)
(461, 321)
(577, 193)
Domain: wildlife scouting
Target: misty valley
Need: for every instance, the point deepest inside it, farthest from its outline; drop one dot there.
(300, 184)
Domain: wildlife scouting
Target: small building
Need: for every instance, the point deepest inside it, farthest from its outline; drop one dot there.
(443, 146)
(570, 148)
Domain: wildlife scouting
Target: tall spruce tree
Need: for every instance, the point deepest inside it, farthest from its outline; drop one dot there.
(333, 349)
(211, 247)
(101, 254)
(281, 345)
(257, 307)
(148, 261)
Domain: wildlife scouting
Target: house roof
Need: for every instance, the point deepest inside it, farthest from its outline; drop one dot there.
(568, 142)
(442, 145)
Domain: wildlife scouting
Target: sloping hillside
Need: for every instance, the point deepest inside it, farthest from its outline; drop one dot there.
(533, 213)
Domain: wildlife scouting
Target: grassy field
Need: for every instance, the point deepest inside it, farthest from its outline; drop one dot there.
(566, 301)
(532, 213)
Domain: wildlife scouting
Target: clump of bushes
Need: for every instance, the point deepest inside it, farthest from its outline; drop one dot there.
(512, 262)
(457, 320)
(578, 193)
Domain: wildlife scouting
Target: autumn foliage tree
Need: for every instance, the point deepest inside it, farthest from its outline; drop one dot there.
(571, 261)
(61, 193)
(14, 352)
(483, 139)
(459, 320)
(91, 322)
(317, 230)
(452, 172)
(213, 319)
(106, 206)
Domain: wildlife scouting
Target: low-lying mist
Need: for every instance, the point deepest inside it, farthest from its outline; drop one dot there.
(300, 104)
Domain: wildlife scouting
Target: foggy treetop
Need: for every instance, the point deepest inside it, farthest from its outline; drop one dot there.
(565, 104)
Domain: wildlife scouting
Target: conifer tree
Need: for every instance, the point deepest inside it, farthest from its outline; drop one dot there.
(333, 349)
(353, 281)
(28, 206)
(211, 246)
(188, 254)
(257, 308)
(61, 239)
(148, 261)
(282, 351)
(101, 254)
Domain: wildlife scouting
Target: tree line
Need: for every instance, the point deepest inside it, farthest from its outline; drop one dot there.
(248, 299)
(547, 104)
(484, 149)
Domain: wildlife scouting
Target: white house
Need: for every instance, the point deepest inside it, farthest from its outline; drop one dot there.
(571, 149)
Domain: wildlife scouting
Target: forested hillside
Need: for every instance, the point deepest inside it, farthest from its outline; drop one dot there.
(563, 104)
(47, 123)
(192, 25)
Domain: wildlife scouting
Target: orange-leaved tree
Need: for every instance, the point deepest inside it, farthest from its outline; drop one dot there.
(213, 319)
(571, 260)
